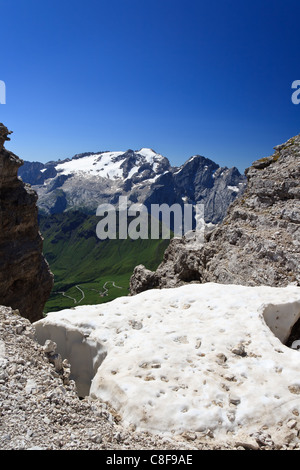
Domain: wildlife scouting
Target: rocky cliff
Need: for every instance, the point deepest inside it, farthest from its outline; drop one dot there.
(25, 278)
(40, 407)
(256, 244)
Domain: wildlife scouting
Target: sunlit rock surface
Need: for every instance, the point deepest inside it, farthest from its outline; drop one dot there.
(25, 277)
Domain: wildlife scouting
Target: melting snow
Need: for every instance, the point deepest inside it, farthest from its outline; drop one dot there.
(193, 358)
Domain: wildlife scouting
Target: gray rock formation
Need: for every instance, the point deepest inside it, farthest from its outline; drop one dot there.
(202, 180)
(25, 278)
(258, 242)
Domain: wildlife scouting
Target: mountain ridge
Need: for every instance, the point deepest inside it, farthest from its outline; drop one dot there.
(144, 176)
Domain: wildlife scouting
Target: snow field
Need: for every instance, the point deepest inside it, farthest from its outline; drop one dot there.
(192, 358)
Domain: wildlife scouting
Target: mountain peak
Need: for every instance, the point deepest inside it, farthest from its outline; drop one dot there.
(200, 159)
(149, 154)
(142, 175)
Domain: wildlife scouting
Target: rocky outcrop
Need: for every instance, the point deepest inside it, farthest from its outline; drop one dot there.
(258, 242)
(25, 278)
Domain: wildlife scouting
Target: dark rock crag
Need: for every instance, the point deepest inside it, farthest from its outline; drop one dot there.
(257, 243)
(25, 277)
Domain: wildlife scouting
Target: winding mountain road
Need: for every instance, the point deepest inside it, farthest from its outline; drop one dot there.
(102, 293)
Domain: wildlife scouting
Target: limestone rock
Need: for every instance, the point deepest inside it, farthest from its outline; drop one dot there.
(182, 263)
(258, 242)
(144, 277)
(25, 278)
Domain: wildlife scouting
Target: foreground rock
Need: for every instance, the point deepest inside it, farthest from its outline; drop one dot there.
(258, 242)
(203, 359)
(40, 408)
(25, 278)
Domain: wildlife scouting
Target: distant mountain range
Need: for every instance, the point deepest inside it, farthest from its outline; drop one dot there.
(144, 176)
(88, 270)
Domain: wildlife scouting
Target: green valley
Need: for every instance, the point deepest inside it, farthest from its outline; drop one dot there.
(88, 270)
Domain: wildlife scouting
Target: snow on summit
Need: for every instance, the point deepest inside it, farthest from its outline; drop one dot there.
(104, 164)
(108, 164)
(149, 154)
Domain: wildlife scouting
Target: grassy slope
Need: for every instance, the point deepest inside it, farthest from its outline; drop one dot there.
(77, 257)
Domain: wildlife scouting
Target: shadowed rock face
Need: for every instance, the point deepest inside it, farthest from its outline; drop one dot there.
(25, 278)
(258, 242)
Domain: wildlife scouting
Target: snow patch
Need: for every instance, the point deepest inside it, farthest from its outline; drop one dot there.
(104, 165)
(85, 353)
(233, 188)
(192, 358)
(149, 154)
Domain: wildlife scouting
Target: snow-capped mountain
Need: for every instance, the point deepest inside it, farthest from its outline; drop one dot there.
(144, 176)
(115, 165)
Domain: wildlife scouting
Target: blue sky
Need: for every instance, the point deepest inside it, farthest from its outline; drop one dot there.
(183, 77)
